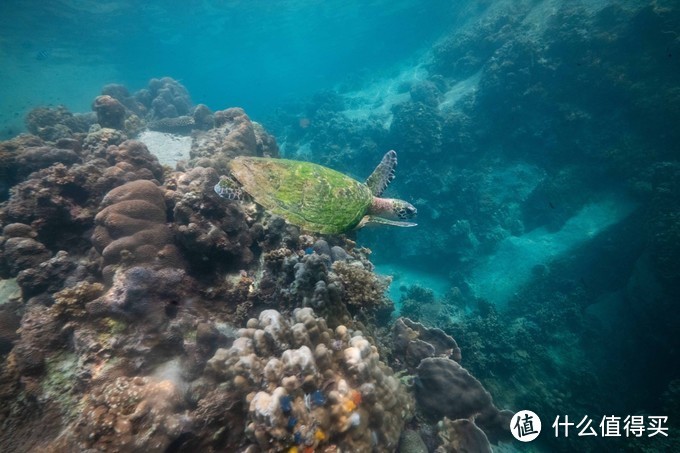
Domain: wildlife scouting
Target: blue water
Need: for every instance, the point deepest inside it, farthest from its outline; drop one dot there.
(538, 139)
(253, 54)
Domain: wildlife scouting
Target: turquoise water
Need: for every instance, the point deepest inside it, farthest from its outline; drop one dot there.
(253, 54)
(538, 140)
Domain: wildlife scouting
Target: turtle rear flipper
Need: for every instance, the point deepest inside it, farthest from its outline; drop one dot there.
(382, 221)
(229, 189)
(383, 174)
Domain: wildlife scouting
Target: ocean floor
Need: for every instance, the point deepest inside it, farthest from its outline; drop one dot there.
(498, 277)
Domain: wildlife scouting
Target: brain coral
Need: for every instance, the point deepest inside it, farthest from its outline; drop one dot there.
(307, 386)
(131, 226)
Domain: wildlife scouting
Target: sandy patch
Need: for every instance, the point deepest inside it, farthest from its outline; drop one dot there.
(169, 148)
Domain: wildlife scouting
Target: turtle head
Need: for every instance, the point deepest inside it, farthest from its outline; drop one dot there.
(393, 208)
(229, 189)
(403, 209)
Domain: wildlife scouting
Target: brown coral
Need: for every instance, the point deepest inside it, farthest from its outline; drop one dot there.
(361, 287)
(234, 135)
(110, 112)
(131, 226)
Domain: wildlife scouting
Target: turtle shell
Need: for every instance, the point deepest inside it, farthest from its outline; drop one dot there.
(311, 196)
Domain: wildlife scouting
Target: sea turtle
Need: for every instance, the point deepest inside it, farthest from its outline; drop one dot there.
(314, 197)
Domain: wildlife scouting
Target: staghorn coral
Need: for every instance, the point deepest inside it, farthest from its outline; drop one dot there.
(308, 385)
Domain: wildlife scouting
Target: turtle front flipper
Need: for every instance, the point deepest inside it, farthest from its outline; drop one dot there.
(383, 174)
(382, 221)
(229, 189)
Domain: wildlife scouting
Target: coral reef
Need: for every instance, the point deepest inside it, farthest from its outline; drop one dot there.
(132, 414)
(52, 124)
(131, 227)
(326, 388)
(140, 313)
(234, 135)
(462, 435)
(165, 98)
(110, 112)
(210, 232)
(414, 342)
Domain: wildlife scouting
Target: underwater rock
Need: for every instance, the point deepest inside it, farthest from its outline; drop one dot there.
(426, 93)
(203, 117)
(143, 293)
(415, 342)
(110, 112)
(446, 389)
(416, 127)
(40, 333)
(326, 388)
(23, 253)
(49, 276)
(462, 436)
